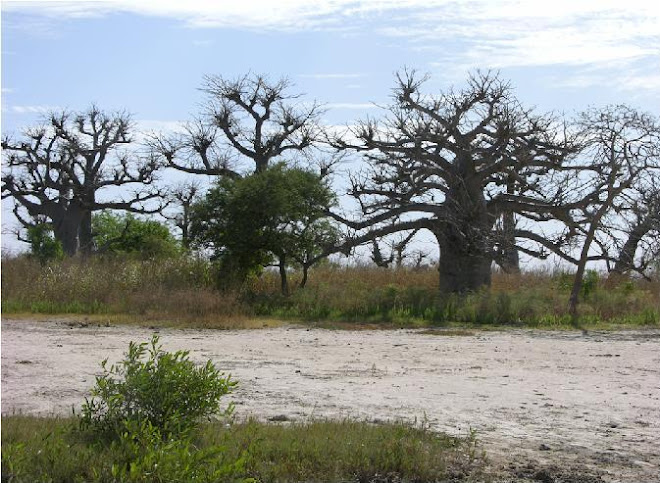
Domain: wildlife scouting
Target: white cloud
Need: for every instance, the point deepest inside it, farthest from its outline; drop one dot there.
(524, 33)
(7, 90)
(636, 77)
(282, 15)
(634, 83)
(39, 109)
(465, 34)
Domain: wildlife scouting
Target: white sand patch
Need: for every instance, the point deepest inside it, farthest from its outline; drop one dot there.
(592, 400)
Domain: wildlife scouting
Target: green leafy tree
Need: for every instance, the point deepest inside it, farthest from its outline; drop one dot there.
(275, 216)
(128, 234)
(43, 244)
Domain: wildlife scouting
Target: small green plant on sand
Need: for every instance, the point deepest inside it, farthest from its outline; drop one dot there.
(166, 390)
(139, 425)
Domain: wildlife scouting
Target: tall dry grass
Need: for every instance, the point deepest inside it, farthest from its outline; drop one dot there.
(410, 297)
(184, 290)
(180, 289)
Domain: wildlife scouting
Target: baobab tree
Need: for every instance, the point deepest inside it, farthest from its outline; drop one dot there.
(249, 122)
(61, 169)
(251, 125)
(454, 165)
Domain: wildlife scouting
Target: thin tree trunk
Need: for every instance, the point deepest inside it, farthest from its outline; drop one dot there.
(574, 299)
(283, 276)
(305, 270)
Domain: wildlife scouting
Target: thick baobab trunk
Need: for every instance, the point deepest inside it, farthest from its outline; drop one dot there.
(86, 235)
(66, 230)
(462, 266)
(465, 239)
(510, 261)
(462, 272)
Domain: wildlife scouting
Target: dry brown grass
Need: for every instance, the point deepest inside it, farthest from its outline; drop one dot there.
(177, 290)
(347, 277)
(182, 292)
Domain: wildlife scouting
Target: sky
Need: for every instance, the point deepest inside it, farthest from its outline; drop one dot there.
(149, 58)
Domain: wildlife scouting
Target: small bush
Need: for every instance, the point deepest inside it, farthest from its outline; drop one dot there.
(137, 427)
(167, 391)
(589, 283)
(130, 236)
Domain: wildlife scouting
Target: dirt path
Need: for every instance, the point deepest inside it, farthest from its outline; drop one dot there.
(555, 399)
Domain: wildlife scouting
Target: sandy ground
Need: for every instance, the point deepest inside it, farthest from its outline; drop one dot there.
(569, 401)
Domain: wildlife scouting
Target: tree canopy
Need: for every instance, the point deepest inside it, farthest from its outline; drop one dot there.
(127, 234)
(275, 216)
(455, 164)
(248, 123)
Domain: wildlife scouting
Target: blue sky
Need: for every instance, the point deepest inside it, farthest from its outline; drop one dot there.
(149, 57)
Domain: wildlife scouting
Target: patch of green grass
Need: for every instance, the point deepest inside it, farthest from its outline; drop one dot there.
(53, 307)
(42, 449)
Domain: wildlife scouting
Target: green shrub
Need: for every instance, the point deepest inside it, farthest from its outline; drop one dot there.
(589, 283)
(167, 391)
(43, 246)
(125, 234)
